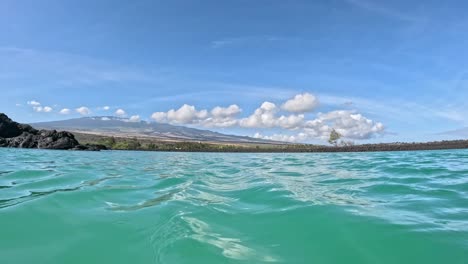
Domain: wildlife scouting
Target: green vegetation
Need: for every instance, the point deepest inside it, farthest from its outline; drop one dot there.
(334, 137)
(152, 144)
(148, 144)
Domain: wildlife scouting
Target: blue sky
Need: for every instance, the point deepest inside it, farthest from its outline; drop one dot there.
(375, 70)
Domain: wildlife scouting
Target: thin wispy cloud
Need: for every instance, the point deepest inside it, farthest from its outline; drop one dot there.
(249, 40)
(398, 63)
(380, 8)
(69, 69)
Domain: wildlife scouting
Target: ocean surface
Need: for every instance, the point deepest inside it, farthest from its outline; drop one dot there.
(155, 207)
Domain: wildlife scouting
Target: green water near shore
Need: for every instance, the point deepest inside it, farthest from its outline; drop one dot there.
(155, 207)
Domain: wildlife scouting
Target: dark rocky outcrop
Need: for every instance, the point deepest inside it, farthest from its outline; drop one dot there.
(15, 135)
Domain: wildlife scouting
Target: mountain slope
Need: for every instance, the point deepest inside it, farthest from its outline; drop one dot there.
(461, 132)
(114, 126)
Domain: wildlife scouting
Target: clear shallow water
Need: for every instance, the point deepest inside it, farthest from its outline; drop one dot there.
(150, 207)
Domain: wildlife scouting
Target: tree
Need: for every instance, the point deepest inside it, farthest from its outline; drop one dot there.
(134, 144)
(344, 143)
(107, 141)
(152, 146)
(334, 136)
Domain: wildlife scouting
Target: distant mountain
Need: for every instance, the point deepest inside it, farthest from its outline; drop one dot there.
(461, 132)
(115, 126)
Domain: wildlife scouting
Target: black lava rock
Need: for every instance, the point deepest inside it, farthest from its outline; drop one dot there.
(15, 135)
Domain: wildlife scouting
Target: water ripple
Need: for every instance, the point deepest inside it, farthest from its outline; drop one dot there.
(422, 191)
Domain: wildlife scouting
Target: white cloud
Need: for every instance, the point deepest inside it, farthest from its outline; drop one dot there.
(19, 105)
(221, 112)
(264, 116)
(290, 122)
(120, 112)
(37, 108)
(301, 103)
(349, 124)
(103, 108)
(186, 114)
(267, 106)
(223, 116)
(34, 103)
(83, 110)
(134, 118)
(279, 137)
(160, 117)
(65, 111)
(45, 109)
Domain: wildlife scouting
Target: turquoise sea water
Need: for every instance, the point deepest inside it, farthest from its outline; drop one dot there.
(150, 207)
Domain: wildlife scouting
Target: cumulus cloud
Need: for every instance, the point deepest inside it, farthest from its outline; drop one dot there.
(301, 103)
(160, 117)
(188, 114)
(65, 111)
(350, 124)
(120, 112)
(33, 103)
(265, 116)
(134, 118)
(290, 121)
(222, 112)
(45, 109)
(223, 116)
(38, 108)
(83, 110)
(219, 122)
(281, 137)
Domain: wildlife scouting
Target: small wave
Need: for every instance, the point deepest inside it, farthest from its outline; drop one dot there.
(191, 201)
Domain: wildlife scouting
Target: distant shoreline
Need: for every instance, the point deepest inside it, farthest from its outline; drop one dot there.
(148, 144)
(15, 135)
